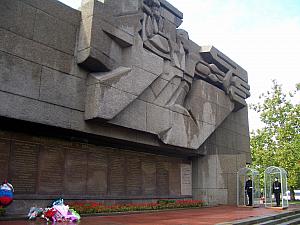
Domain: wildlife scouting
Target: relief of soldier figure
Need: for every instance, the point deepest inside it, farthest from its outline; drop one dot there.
(186, 68)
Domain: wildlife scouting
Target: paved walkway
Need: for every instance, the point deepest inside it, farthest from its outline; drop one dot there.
(200, 216)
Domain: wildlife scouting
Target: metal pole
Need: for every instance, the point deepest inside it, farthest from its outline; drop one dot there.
(252, 178)
(265, 189)
(238, 189)
(281, 186)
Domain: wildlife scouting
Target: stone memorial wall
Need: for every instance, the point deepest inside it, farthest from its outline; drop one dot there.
(142, 99)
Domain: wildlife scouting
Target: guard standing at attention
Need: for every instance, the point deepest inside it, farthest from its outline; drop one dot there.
(277, 191)
(248, 189)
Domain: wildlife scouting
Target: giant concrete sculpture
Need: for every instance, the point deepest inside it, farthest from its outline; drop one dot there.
(143, 59)
(120, 102)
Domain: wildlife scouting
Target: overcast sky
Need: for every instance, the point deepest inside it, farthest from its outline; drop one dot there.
(263, 36)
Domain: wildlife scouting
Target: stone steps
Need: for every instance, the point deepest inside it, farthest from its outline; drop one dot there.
(291, 222)
(284, 218)
(281, 220)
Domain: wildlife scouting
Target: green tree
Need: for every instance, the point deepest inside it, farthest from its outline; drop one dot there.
(278, 142)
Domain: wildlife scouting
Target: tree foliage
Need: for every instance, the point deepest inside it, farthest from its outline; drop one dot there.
(278, 142)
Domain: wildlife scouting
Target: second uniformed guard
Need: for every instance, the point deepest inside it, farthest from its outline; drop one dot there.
(248, 189)
(277, 190)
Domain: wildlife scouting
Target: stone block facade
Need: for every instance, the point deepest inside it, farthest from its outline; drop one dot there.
(116, 88)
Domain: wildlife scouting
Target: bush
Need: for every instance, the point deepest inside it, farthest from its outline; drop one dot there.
(166, 201)
(96, 207)
(2, 211)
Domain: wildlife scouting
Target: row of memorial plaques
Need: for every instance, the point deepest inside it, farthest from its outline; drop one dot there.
(34, 168)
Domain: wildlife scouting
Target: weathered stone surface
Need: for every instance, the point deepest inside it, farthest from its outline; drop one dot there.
(48, 30)
(217, 196)
(226, 138)
(172, 9)
(143, 59)
(205, 172)
(232, 185)
(62, 89)
(149, 176)
(179, 134)
(19, 76)
(200, 194)
(175, 178)
(32, 110)
(97, 172)
(17, 17)
(203, 110)
(50, 182)
(226, 164)
(241, 160)
(75, 172)
(165, 95)
(4, 158)
(134, 116)
(134, 174)
(56, 9)
(34, 52)
(186, 179)
(222, 180)
(24, 173)
(105, 102)
(162, 176)
(117, 175)
(158, 119)
(21, 206)
(132, 78)
(101, 37)
(115, 7)
(211, 54)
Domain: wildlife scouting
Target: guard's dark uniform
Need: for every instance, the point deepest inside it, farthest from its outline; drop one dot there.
(248, 188)
(277, 191)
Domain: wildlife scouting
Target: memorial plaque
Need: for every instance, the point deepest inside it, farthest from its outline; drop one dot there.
(97, 173)
(5, 134)
(186, 179)
(134, 175)
(4, 158)
(24, 167)
(51, 170)
(174, 178)
(75, 172)
(149, 176)
(162, 177)
(117, 174)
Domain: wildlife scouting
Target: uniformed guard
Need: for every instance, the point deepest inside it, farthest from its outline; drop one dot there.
(277, 191)
(248, 189)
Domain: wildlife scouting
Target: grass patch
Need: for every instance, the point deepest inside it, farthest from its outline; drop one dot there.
(294, 202)
(2, 211)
